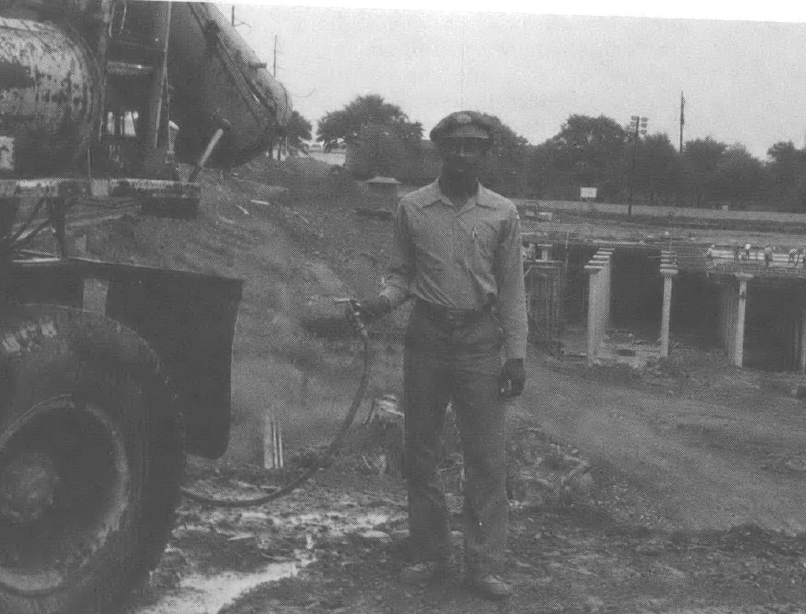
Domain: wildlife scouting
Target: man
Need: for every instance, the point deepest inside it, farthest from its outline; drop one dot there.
(457, 253)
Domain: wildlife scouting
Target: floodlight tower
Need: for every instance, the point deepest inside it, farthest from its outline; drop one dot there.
(638, 126)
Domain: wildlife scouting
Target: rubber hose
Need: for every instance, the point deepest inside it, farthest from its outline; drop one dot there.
(334, 446)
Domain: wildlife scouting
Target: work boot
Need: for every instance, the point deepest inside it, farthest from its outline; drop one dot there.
(426, 572)
(488, 586)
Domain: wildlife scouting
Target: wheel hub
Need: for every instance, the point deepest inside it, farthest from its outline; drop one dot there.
(27, 488)
(64, 482)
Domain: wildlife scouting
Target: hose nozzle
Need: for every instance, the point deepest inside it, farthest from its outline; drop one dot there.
(354, 314)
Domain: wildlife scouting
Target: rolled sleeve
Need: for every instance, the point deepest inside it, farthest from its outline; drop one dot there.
(400, 272)
(511, 293)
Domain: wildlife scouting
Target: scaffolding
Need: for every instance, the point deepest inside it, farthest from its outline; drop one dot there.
(544, 282)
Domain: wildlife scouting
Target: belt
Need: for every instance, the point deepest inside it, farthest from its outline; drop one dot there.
(452, 317)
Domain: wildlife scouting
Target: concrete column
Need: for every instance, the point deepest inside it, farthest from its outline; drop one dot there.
(723, 316)
(593, 311)
(741, 307)
(668, 277)
(802, 348)
(607, 283)
(603, 256)
(598, 270)
(730, 323)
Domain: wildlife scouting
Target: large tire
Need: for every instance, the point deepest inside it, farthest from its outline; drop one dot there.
(91, 460)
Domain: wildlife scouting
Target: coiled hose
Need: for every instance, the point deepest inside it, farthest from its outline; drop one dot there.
(334, 446)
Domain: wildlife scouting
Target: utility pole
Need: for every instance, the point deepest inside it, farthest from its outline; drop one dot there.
(638, 128)
(682, 119)
(274, 72)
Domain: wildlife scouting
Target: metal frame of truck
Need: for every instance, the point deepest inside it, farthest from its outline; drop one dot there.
(110, 372)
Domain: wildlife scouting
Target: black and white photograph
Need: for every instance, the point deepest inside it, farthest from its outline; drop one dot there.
(380, 308)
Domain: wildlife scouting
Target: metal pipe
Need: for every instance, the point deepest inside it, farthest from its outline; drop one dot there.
(209, 150)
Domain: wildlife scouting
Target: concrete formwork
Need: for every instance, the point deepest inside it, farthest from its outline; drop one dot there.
(599, 279)
(765, 317)
(601, 270)
(756, 313)
(668, 268)
(774, 323)
(599, 284)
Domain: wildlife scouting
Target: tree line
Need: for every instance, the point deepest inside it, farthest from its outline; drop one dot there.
(599, 152)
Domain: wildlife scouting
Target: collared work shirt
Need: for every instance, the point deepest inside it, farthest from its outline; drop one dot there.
(458, 258)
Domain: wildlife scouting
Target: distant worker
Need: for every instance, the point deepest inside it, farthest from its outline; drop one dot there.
(457, 252)
(736, 251)
(710, 253)
(529, 251)
(793, 257)
(747, 248)
(767, 255)
(800, 257)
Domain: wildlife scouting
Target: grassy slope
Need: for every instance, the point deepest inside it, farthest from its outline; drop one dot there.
(293, 255)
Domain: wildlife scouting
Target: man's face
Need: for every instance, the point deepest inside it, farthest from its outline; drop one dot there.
(463, 157)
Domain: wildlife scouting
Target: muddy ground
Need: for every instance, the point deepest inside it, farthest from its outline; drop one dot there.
(666, 525)
(695, 500)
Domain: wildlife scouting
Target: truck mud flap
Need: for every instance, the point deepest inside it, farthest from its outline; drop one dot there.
(188, 319)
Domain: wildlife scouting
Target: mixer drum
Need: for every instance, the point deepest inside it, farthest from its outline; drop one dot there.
(49, 99)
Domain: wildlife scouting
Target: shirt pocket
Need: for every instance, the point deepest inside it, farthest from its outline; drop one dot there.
(483, 242)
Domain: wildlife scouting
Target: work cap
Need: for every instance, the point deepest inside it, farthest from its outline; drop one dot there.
(463, 124)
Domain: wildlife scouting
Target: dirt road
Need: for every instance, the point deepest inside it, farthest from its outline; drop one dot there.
(708, 465)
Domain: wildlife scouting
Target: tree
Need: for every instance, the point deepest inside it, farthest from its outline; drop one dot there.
(292, 136)
(785, 160)
(657, 167)
(382, 151)
(507, 156)
(591, 149)
(343, 126)
(297, 132)
(738, 175)
(593, 143)
(787, 174)
(544, 180)
(701, 158)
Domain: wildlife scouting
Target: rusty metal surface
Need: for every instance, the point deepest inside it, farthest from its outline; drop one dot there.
(266, 88)
(175, 197)
(48, 97)
(216, 77)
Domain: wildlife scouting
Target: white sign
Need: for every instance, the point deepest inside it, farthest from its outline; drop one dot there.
(587, 193)
(6, 153)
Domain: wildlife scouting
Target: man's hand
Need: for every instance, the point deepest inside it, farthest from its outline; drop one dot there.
(372, 308)
(512, 378)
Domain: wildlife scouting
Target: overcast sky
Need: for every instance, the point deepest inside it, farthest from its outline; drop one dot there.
(743, 81)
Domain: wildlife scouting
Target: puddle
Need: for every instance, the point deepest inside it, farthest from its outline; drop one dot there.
(207, 594)
(337, 523)
(199, 594)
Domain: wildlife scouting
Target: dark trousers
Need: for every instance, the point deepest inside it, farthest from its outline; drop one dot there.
(460, 364)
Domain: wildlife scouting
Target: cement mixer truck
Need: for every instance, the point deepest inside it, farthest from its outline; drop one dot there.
(100, 399)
